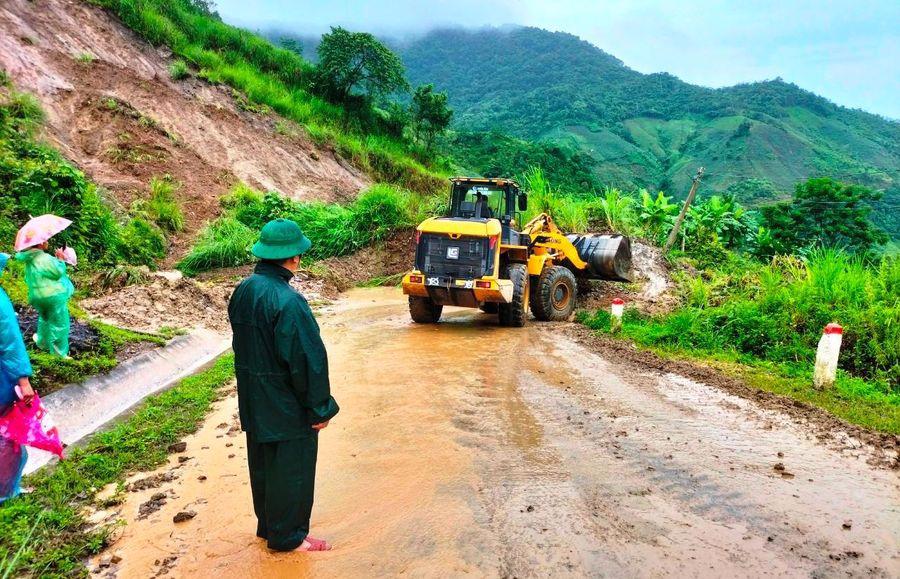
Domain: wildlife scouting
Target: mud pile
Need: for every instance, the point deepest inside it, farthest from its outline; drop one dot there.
(174, 302)
(652, 290)
(384, 261)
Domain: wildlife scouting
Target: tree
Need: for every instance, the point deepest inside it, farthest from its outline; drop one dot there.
(205, 7)
(824, 212)
(291, 44)
(357, 62)
(394, 118)
(430, 114)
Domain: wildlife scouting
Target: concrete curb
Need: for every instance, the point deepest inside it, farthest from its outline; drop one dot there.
(79, 410)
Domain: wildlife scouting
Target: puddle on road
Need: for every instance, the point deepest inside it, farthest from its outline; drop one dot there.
(465, 448)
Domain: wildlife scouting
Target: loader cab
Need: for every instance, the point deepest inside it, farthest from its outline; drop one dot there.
(483, 199)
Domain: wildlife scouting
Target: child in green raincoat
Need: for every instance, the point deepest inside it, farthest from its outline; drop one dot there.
(49, 290)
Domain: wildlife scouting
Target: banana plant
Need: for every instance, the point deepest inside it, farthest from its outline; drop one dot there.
(656, 214)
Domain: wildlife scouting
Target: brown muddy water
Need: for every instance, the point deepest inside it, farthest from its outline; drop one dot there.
(466, 449)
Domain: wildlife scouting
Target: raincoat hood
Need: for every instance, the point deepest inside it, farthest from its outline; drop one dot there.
(4, 259)
(28, 255)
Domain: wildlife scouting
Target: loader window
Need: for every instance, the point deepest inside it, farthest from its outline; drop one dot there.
(478, 202)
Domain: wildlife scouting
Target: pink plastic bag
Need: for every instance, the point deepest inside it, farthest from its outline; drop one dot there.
(31, 426)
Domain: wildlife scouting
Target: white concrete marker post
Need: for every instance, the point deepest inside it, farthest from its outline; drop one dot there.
(616, 311)
(827, 357)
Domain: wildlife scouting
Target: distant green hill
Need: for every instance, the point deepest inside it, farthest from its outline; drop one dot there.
(654, 130)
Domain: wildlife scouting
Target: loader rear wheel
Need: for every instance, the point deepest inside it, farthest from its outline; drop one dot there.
(515, 313)
(424, 311)
(554, 295)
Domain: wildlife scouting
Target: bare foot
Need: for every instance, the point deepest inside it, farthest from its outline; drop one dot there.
(311, 544)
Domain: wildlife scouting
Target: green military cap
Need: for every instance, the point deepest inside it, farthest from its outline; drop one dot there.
(281, 239)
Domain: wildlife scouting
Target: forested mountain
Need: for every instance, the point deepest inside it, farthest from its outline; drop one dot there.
(563, 98)
(653, 130)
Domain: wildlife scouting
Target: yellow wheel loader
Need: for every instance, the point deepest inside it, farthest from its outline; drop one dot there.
(476, 257)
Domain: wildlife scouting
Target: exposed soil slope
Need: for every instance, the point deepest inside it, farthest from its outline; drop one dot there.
(121, 118)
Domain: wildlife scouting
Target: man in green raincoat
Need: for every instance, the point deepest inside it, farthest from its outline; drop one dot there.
(49, 290)
(284, 396)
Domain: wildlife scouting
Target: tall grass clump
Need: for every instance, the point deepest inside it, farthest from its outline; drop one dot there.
(226, 242)
(613, 211)
(142, 242)
(569, 213)
(162, 207)
(334, 229)
(178, 70)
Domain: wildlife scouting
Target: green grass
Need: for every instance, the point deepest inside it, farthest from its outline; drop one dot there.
(142, 242)
(162, 207)
(178, 70)
(333, 229)
(226, 242)
(44, 533)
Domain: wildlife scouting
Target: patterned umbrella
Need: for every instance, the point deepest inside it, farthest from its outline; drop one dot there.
(40, 229)
(69, 256)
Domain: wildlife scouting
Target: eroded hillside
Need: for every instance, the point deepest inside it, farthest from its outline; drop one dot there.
(115, 111)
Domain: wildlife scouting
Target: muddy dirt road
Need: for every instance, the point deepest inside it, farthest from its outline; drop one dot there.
(469, 449)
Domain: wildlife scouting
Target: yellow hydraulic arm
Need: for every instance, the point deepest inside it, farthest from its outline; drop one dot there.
(547, 235)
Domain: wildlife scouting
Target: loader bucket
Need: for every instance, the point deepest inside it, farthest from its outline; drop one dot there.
(608, 256)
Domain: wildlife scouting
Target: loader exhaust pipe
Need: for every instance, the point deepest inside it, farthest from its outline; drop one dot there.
(608, 256)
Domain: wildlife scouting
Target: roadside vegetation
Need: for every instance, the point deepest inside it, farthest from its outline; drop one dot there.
(46, 533)
(334, 229)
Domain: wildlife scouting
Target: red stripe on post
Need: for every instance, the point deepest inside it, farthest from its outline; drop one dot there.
(834, 329)
(618, 302)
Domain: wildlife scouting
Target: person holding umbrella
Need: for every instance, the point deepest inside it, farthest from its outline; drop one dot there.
(15, 372)
(49, 287)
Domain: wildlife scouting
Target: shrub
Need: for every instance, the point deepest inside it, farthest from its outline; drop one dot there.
(162, 207)
(178, 70)
(142, 243)
(224, 243)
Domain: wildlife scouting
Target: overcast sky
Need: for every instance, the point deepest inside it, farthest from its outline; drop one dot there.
(847, 51)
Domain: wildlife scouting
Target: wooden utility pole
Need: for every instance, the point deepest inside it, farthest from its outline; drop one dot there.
(687, 204)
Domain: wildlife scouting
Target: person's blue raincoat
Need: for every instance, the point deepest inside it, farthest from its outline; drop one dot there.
(14, 364)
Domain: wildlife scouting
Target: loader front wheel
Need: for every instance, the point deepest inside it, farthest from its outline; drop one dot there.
(515, 313)
(554, 295)
(424, 311)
